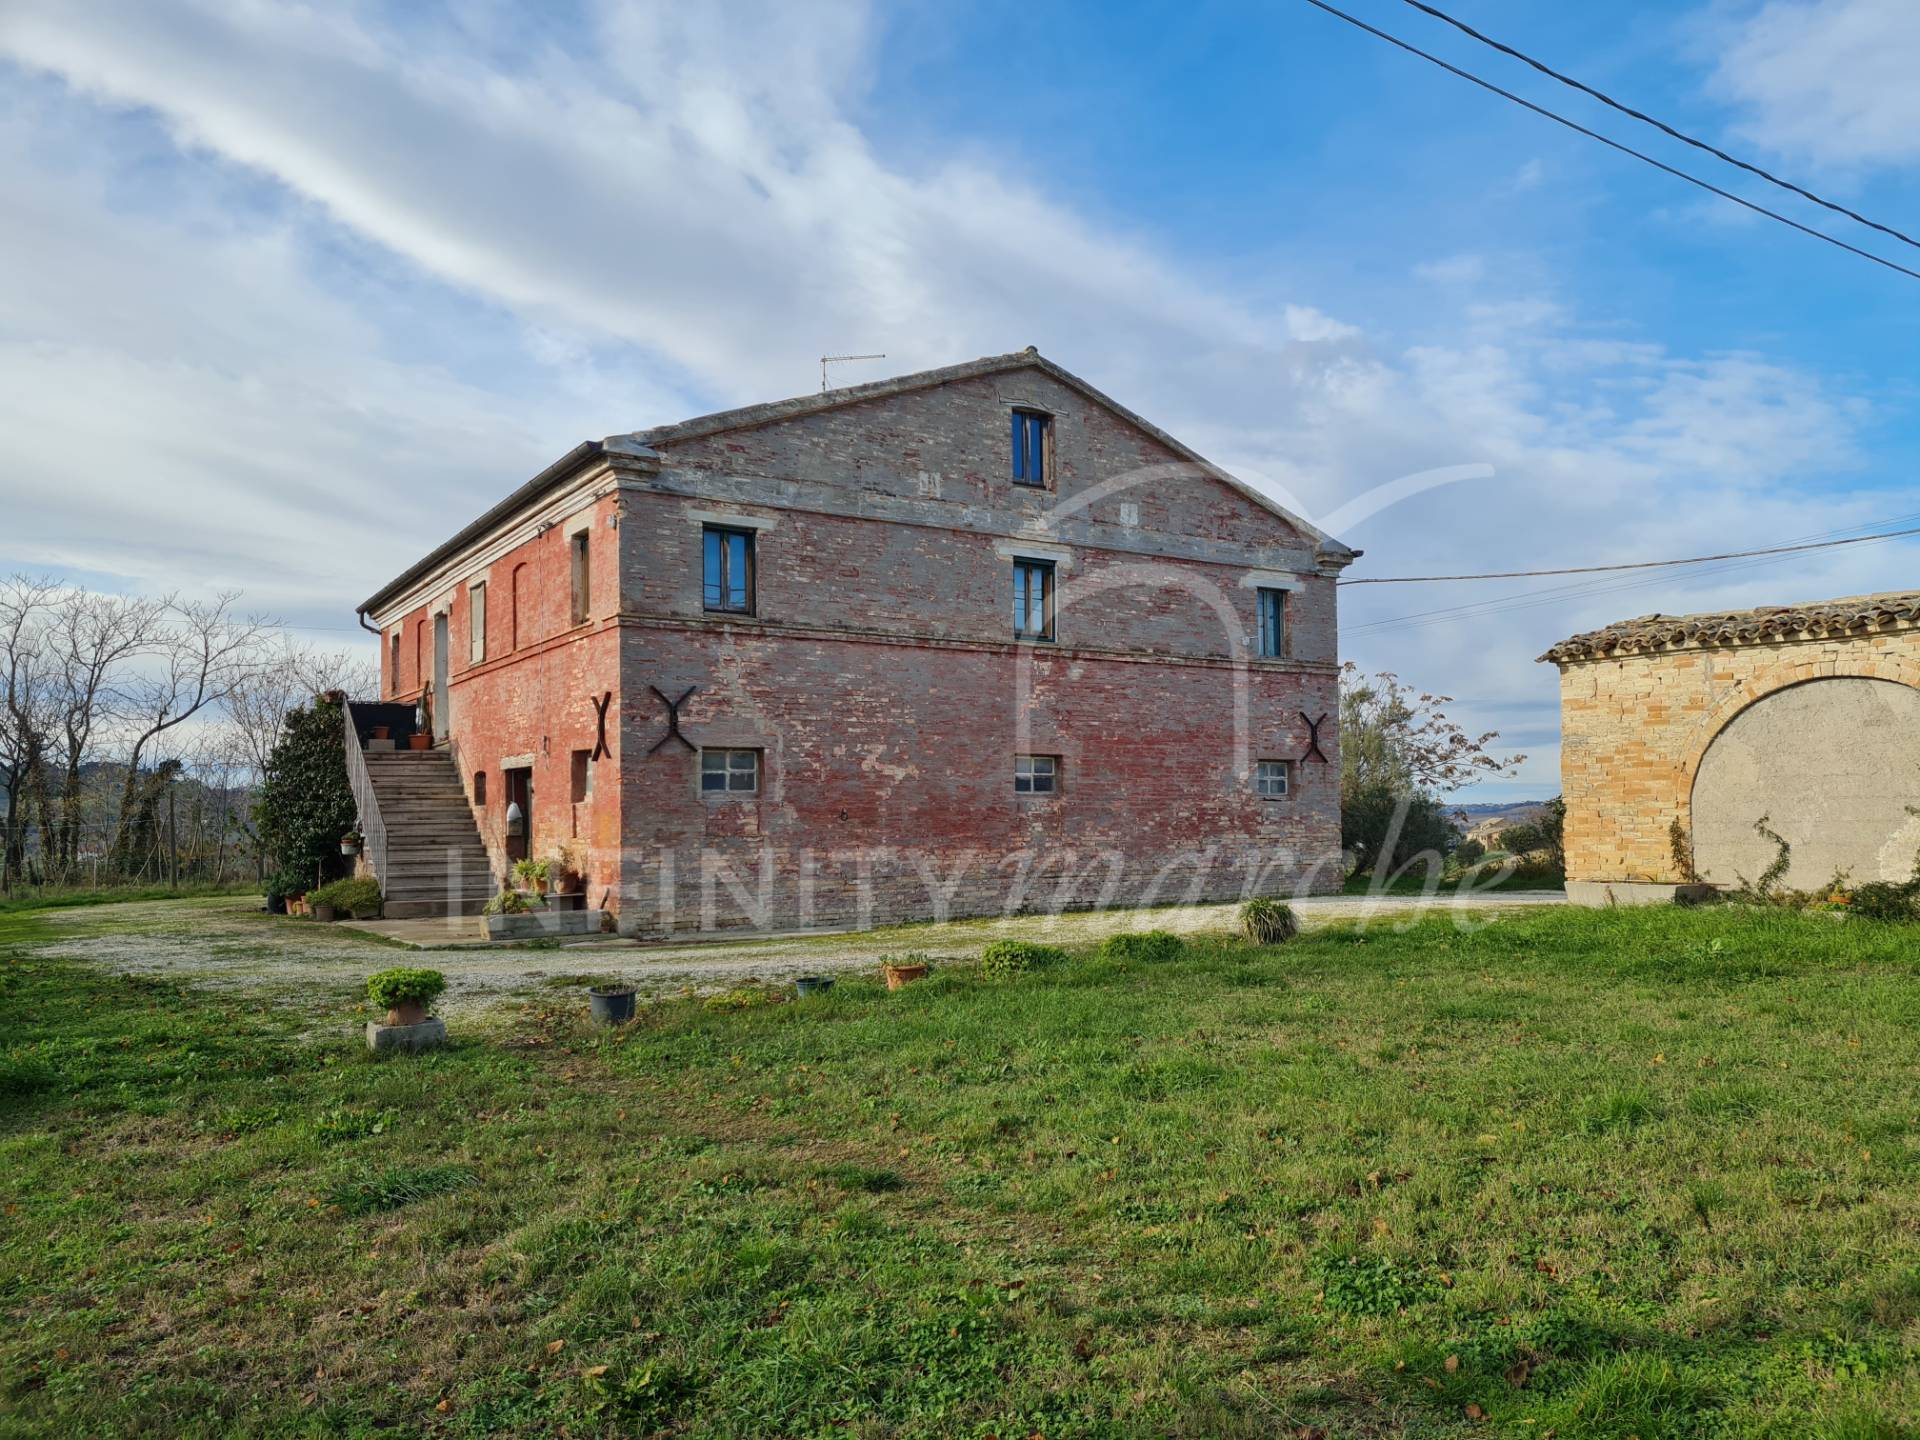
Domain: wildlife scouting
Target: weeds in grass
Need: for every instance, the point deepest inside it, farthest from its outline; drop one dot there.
(1148, 947)
(398, 1185)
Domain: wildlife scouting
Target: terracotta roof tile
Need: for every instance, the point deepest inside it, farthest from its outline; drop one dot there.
(1740, 627)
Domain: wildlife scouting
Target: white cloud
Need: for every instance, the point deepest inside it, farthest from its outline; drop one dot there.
(1829, 80)
(396, 273)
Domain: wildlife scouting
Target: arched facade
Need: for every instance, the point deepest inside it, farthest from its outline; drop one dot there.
(1649, 705)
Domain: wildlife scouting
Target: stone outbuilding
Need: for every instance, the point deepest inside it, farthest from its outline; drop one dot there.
(1683, 731)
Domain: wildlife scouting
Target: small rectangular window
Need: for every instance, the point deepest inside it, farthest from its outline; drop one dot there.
(1036, 774)
(393, 665)
(728, 562)
(1032, 433)
(733, 771)
(480, 788)
(1273, 623)
(1272, 779)
(582, 576)
(582, 776)
(1033, 599)
(477, 622)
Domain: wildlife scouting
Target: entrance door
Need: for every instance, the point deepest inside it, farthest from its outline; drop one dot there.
(442, 701)
(520, 792)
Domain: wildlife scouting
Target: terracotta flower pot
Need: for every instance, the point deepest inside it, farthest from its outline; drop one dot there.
(381, 732)
(419, 742)
(898, 975)
(407, 1012)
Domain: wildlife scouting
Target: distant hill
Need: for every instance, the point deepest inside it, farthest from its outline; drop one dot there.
(1515, 810)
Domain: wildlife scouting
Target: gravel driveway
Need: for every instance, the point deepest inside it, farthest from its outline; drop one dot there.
(230, 944)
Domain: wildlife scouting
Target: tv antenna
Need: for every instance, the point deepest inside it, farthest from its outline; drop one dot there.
(826, 360)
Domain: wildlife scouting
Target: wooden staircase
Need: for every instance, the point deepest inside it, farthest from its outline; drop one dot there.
(434, 862)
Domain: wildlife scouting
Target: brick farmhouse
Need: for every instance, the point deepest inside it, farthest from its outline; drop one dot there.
(1696, 729)
(964, 642)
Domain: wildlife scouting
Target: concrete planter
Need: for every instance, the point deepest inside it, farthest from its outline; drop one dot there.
(542, 924)
(429, 1034)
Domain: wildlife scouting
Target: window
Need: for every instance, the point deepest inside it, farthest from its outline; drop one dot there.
(1033, 599)
(729, 570)
(393, 665)
(582, 575)
(1036, 774)
(1273, 623)
(1032, 432)
(520, 626)
(735, 771)
(1271, 779)
(582, 776)
(480, 788)
(477, 622)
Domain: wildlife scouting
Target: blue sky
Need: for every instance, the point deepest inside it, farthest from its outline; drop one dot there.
(295, 290)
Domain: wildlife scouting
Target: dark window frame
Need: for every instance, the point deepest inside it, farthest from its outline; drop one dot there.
(1025, 572)
(723, 584)
(1271, 603)
(1038, 769)
(1030, 447)
(728, 770)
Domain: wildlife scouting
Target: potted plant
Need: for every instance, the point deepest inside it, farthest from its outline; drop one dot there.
(405, 994)
(379, 732)
(904, 969)
(569, 887)
(501, 913)
(812, 985)
(533, 874)
(350, 843)
(420, 740)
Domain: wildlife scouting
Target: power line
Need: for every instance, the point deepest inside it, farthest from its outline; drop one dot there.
(1613, 144)
(1635, 565)
(1660, 125)
(1580, 591)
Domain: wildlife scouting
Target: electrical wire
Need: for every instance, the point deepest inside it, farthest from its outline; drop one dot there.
(1558, 595)
(1613, 144)
(1660, 125)
(1633, 565)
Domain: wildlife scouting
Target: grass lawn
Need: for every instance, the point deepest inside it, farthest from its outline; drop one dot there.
(1575, 1173)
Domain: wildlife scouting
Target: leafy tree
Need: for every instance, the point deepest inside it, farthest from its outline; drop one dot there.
(306, 802)
(1399, 753)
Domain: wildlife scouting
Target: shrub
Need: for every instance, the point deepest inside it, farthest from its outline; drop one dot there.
(1148, 946)
(1005, 959)
(360, 893)
(1886, 900)
(1268, 922)
(404, 986)
(306, 802)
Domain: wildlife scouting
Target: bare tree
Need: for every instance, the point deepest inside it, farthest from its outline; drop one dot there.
(201, 652)
(95, 639)
(25, 607)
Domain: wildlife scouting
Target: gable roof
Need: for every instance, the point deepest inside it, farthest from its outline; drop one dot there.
(1740, 627)
(642, 442)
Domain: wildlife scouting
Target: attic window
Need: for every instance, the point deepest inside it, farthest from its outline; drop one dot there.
(1032, 440)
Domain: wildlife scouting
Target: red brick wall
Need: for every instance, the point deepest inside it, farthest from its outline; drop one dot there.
(880, 678)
